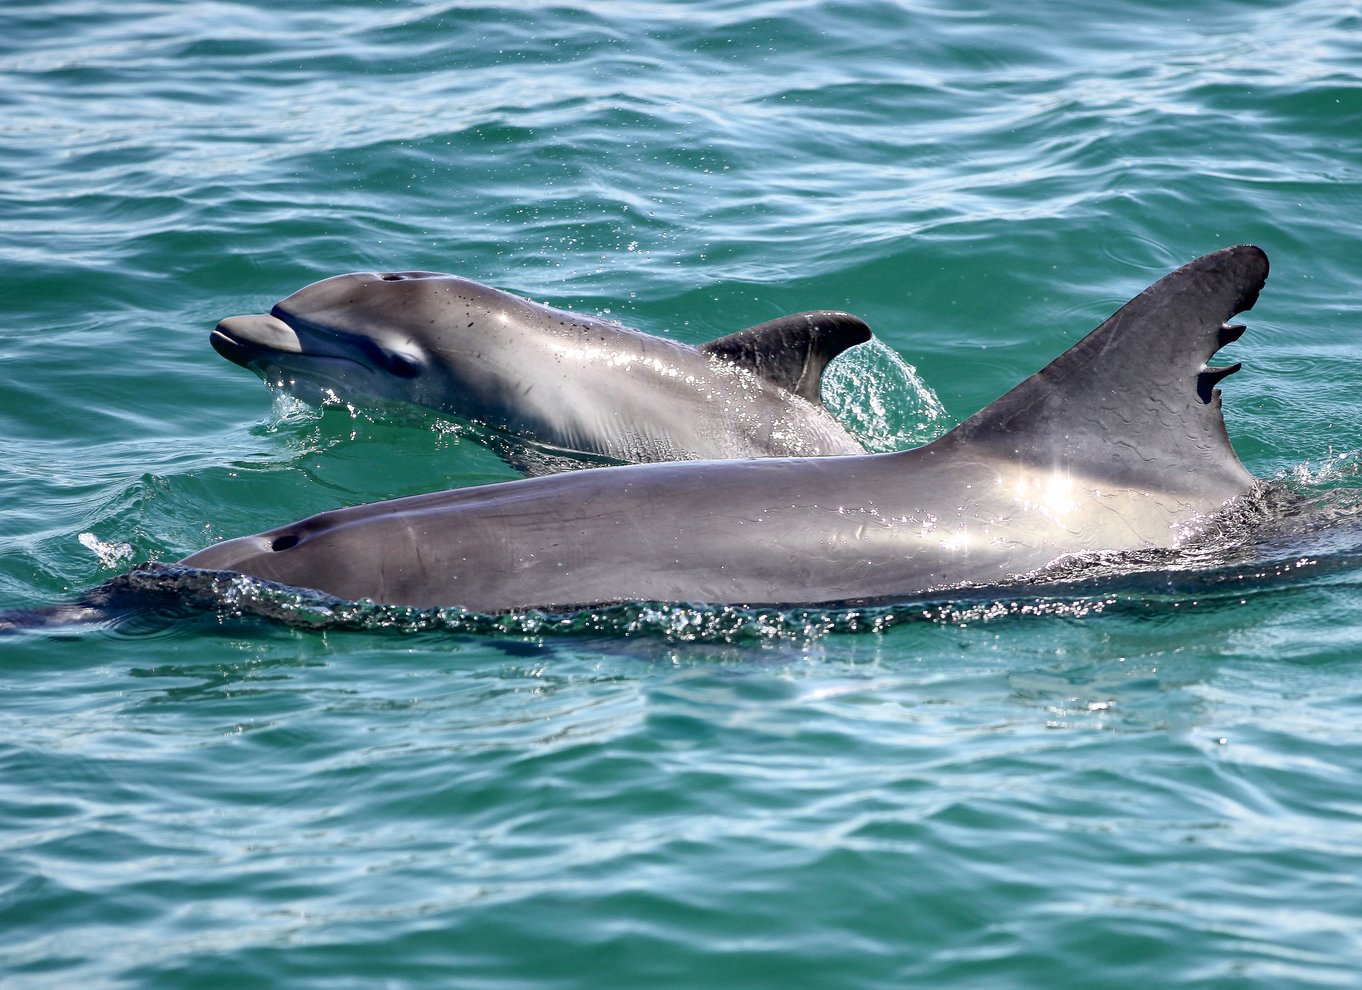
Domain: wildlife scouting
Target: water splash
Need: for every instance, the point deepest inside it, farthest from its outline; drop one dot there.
(236, 596)
(882, 399)
(110, 553)
(1337, 467)
(287, 410)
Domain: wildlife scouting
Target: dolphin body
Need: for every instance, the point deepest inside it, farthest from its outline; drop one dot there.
(1116, 445)
(551, 377)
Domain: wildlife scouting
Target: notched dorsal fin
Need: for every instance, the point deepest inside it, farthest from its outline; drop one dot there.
(1133, 402)
(792, 351)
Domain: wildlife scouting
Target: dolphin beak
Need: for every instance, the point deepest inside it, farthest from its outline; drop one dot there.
(240, 339)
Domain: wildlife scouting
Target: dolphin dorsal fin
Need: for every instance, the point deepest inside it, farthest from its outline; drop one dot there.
(1133, 403)
(792, 351)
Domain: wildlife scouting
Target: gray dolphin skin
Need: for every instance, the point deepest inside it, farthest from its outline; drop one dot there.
(1118, 444)
(555, 378)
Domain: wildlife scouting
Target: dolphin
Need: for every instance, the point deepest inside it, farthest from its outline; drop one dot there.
(1116, 445)
(553, 378)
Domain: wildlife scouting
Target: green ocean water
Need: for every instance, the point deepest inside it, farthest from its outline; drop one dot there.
(1151, 783)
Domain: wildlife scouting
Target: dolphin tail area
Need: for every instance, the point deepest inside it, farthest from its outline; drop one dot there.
(149, 595)
(792, 351)
(1134, 403)
(93, 608)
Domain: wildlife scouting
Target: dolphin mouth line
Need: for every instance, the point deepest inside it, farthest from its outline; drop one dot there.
(246, 353)
(280, 342)
(271, 363)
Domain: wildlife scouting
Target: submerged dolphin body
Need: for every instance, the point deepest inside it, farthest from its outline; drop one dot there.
(555, 378)
(1118, 444)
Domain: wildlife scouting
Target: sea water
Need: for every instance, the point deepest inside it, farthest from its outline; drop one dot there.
(1148, 783)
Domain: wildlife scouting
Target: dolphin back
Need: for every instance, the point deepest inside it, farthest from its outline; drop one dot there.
(1134, 403)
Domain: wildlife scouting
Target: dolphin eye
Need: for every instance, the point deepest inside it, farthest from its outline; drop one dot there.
(392, 362)
(396, 364)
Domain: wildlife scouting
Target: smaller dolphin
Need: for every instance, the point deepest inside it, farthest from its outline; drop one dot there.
(1118, 444)
(553, 378)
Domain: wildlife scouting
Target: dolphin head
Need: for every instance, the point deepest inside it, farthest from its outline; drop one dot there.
(522, 369)
(367, 335)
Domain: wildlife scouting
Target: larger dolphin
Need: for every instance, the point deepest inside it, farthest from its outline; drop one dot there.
(555, 378)
(1117, 444)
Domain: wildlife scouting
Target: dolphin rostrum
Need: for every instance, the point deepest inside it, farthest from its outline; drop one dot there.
(1116, 445)
(555, 378)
